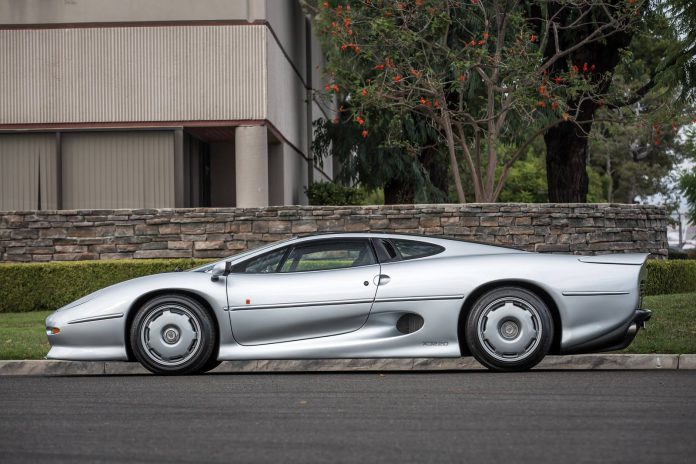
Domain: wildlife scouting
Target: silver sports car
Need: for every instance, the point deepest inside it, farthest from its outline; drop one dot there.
(361, 295)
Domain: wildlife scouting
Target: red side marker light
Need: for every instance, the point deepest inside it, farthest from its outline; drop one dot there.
(248, 301)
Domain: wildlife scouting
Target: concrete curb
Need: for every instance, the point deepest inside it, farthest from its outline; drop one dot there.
(574, 362)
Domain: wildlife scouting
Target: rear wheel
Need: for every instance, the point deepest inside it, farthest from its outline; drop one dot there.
(509, 329)
(173, 334)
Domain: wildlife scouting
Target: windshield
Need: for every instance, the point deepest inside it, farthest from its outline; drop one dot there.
(209, 266)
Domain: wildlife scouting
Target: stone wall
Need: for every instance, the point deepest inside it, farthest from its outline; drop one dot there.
(218, 232)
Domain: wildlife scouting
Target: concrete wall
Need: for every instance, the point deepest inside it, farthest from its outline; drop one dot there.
(95, 64)
(218, 232)
(27, 12)
(132, 74)
(286, 96)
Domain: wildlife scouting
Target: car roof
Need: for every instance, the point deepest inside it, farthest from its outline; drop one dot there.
(454, 245)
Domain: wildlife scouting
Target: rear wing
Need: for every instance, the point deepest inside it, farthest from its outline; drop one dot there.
(632, 259)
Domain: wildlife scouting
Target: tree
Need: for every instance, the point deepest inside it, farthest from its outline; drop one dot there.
(411, 169)
(688, 188)
(631, 164)
(478, 72)
(636, 157)
(687, 181)
(673, 68)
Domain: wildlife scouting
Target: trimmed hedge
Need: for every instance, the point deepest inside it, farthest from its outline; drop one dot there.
(671, 276)
(48, 286)
(333, 194)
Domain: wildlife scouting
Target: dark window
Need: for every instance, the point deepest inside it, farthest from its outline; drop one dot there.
(262, 264)
(411, 249)
(389, 248)
(329, 254)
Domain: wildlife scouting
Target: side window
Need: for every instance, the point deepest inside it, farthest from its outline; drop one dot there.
(411, 249)
(262, 264)
(329, 254)
(386, 252)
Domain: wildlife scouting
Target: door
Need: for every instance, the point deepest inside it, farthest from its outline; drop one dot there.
(312, 289)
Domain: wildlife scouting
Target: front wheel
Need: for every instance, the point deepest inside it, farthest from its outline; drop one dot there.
(509, 329)
(173, 334)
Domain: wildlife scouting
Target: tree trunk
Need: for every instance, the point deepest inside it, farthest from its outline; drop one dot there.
(399, 191)
(566, 156)
(434, 162)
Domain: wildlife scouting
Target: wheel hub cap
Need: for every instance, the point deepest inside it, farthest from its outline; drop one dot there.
(171, 335)
(509, 329)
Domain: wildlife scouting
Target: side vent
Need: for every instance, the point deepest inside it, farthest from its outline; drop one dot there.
(409, 323)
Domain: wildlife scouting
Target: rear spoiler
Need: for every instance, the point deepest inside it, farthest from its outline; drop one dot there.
(634, 259)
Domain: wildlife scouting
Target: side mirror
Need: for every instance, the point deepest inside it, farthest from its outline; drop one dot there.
(220, 269)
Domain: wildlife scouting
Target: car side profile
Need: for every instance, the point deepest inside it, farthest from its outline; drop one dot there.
(361, 295)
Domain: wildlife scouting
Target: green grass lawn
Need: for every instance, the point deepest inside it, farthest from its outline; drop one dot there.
(23, 335)
(672, 329)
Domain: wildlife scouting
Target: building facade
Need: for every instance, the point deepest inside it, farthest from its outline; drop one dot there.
(109, 104)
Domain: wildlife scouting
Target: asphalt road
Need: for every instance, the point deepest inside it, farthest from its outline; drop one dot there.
(555, 417)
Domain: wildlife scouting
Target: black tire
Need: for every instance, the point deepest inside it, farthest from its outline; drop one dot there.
(212, 364)
(174, 335)
(509, 329)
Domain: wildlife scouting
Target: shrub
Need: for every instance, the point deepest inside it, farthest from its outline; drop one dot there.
(48, 286)
(676, 253)
(332, 194)
(671, 276)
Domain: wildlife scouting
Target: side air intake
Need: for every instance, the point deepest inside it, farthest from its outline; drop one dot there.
(409, 323)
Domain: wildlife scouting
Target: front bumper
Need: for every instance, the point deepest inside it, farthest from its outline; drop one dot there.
(618, 338)
(79, 338)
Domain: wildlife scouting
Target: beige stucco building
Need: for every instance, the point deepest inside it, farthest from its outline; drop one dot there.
(156, 103)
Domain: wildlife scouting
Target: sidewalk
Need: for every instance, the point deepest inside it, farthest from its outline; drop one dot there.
(573, 362)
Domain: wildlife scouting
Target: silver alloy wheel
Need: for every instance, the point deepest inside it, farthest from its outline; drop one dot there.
(509, 329)
(170, 334)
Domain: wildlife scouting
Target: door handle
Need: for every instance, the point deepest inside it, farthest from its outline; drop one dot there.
(381, 279)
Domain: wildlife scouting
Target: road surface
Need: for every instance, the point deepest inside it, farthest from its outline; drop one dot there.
(554, 417)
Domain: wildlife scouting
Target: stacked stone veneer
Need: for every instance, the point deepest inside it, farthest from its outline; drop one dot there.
(218, 232)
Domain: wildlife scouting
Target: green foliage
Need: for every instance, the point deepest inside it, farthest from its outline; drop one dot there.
(635, 147)
(393, 157)
(527, 180)
(677, 66)
(333, 194)
(48, 286)
(677, 253)
(671, 276)
(687, 179)
(687, 184)
(596, 187)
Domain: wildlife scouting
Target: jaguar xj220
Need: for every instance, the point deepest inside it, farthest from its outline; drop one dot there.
(361, 295)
